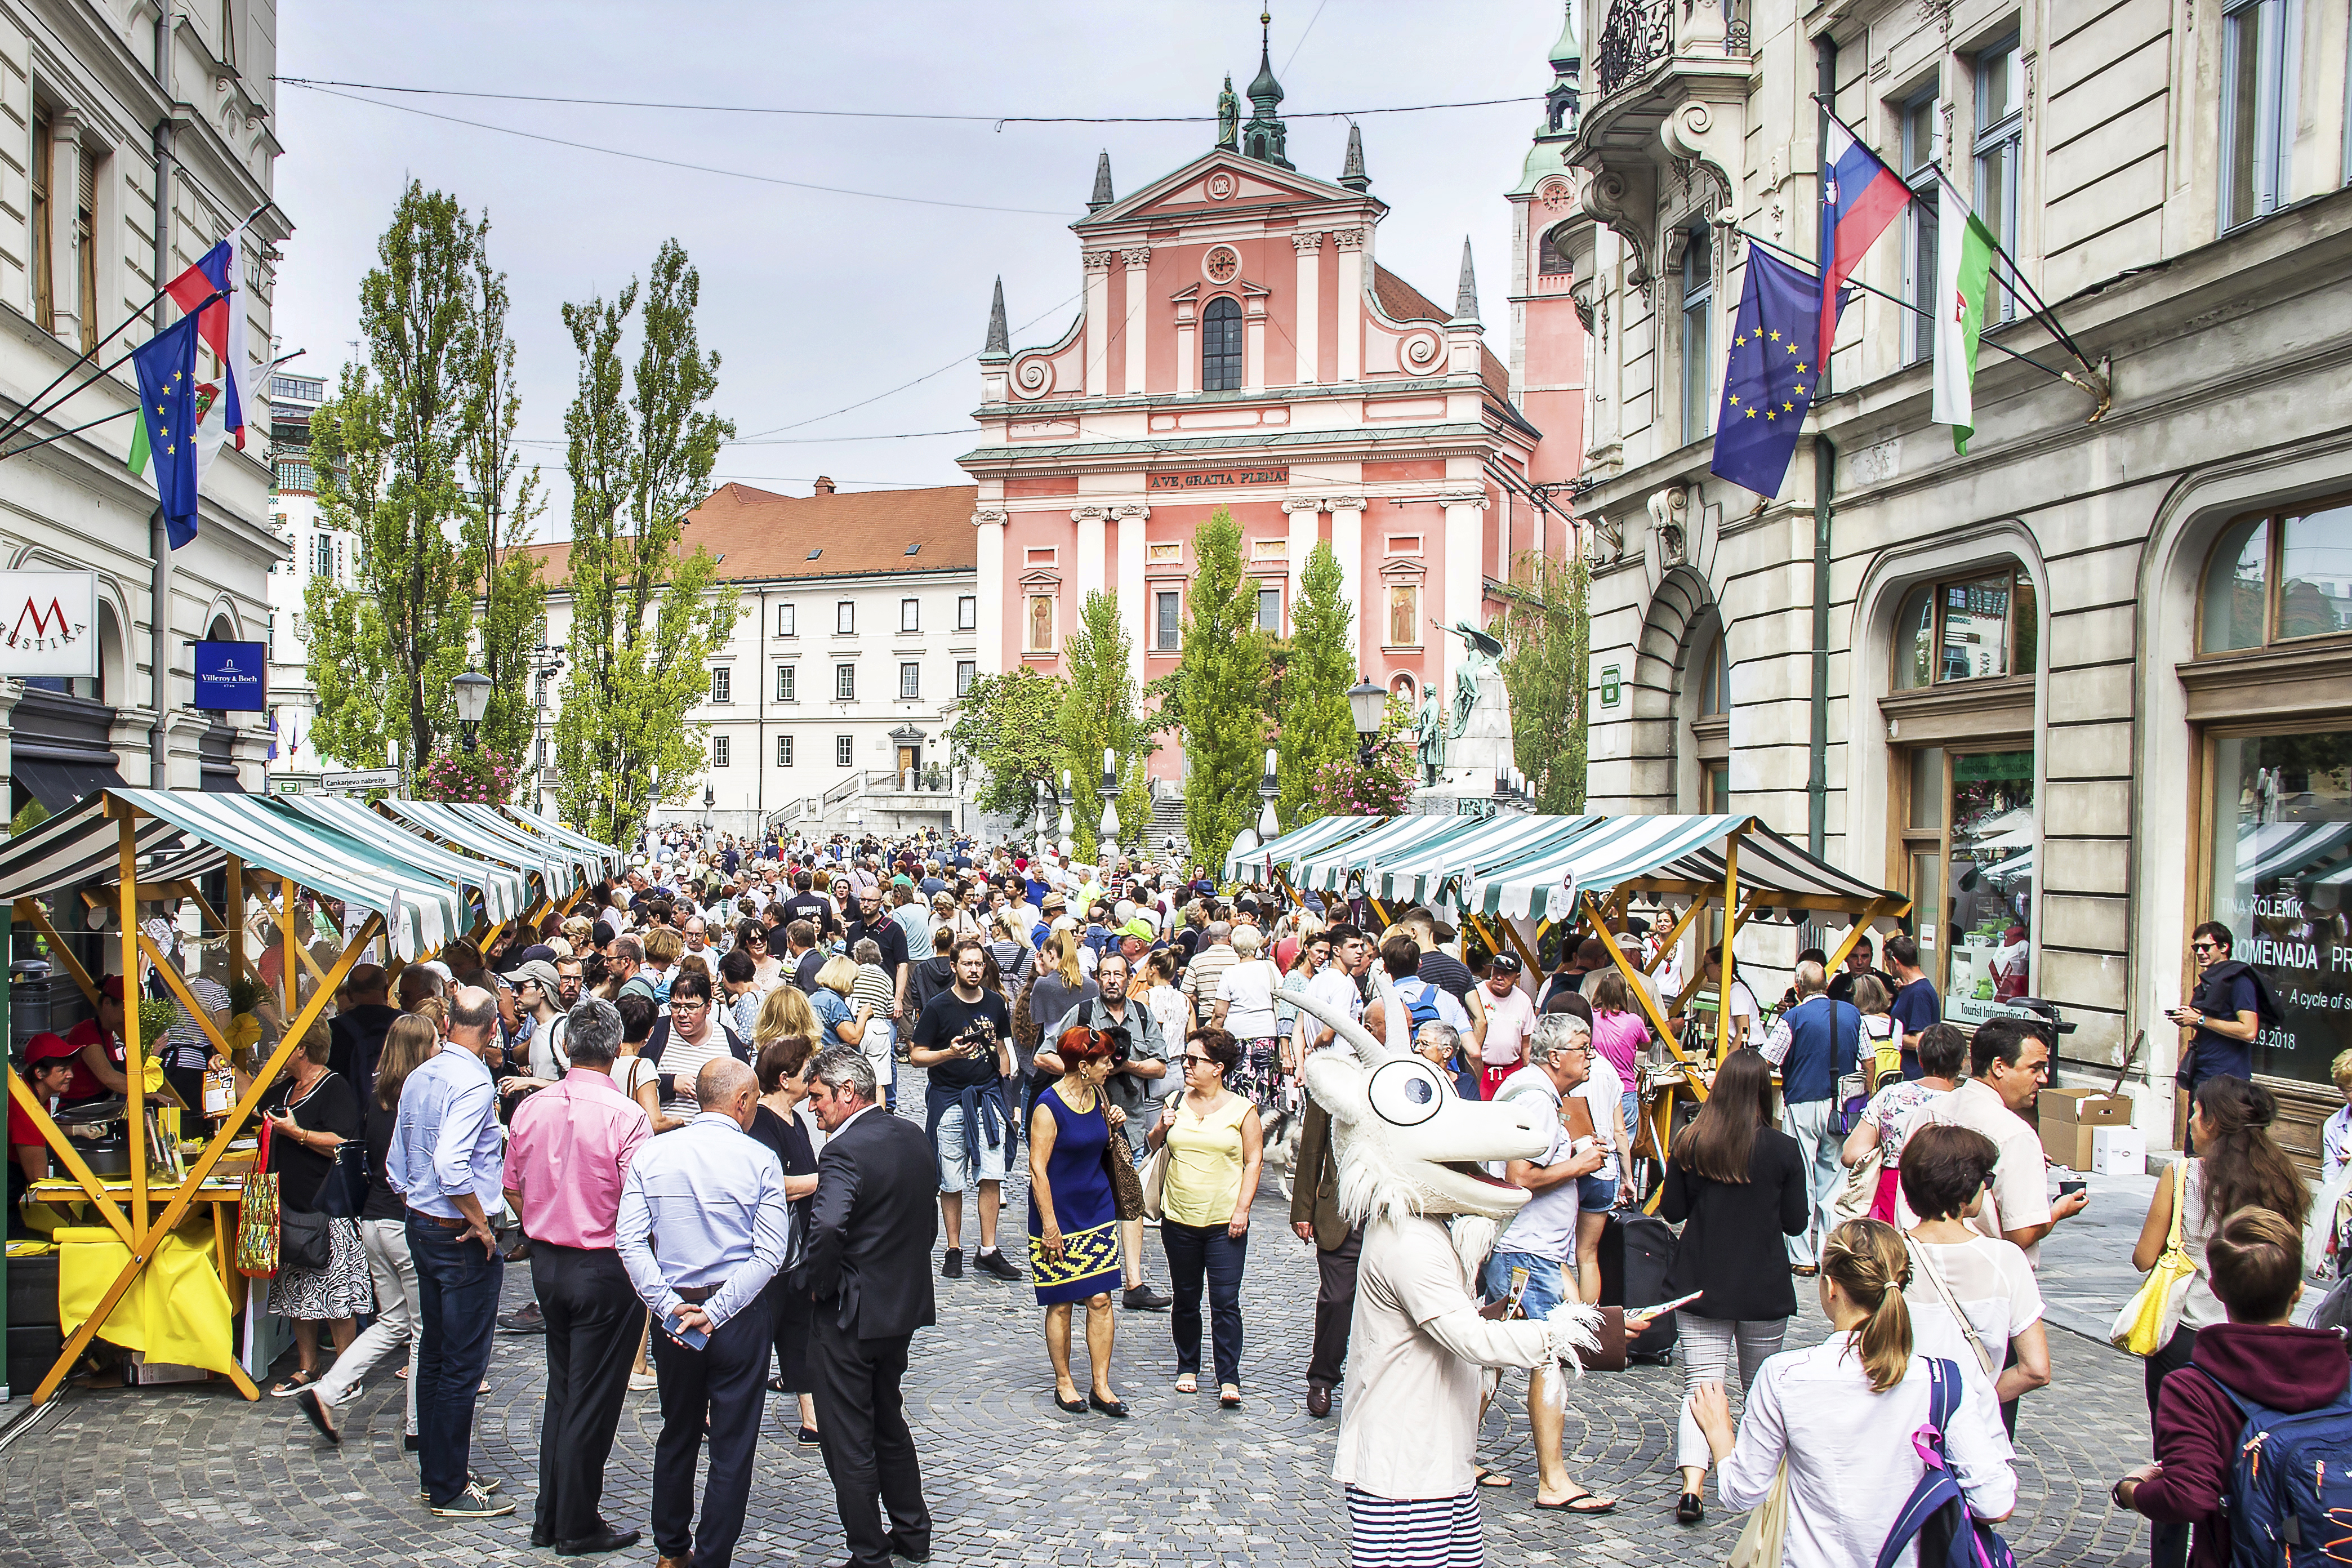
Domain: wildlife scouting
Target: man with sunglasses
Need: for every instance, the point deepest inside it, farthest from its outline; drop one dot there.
(2224, 1012)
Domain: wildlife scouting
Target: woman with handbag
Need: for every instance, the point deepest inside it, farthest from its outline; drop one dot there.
(322, 1270)
(782, 1126)
(1979, 1300)
(1074, 1213)
(1941, 1049)
(1216, 1149)
(2238, 1166)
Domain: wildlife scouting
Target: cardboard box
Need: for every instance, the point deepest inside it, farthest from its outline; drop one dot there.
(2118, 1152)
(2069, 1116)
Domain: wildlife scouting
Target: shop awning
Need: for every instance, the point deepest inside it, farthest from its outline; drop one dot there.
(1439, 871)
(1335, 870)
(1669, 849)
(82, 845)
(57, 783)
(442, 820)
(1305, 839)
(606, 857)
(503, 886)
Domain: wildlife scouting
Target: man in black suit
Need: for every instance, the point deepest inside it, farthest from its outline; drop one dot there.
(870, 1235)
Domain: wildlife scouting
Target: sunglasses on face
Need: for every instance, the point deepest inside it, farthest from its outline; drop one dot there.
(2204, 947)
(1200, 1061)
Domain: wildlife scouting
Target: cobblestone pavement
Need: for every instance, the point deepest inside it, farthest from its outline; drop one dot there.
(165, 1478)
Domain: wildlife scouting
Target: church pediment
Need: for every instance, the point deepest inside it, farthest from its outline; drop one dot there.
(1219, 179)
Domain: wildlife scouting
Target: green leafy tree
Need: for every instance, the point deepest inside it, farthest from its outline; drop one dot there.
(645, 616)
(1547, 634)
(387, 449)
(506, 503)
(1318, 727)
(1220, 691)
(1100, 711)
(1008, 727)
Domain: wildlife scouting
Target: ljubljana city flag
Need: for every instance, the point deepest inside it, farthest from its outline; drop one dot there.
(166, 365)
(1964, 250)
(1768, 382)
(1860, 196)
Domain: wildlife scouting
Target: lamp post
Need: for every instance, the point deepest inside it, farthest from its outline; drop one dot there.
(1269, 827)
(472, 692)
(1040, 819)
(1064, 825)
(1368, 704)
(709, 799)
(1109, 829)
(546, 662)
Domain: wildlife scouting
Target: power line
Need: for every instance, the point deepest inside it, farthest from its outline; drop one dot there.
(998, 120)
(677, 163)
(789, 441)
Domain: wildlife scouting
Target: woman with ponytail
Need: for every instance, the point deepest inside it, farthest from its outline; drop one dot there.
(1842, 1413)
(2238, 1166)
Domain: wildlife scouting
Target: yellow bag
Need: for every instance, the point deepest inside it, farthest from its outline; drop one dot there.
(2144, 1325)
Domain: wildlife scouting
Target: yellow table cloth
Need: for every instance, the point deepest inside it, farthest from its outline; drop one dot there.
(177, 1310)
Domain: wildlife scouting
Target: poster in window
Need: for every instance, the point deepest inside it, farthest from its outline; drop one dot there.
(2282, 864)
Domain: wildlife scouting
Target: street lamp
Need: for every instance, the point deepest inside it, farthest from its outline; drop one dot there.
(472, 692)
(1069, 845)
(1368, 704)
(1269, 827)
(1040, 819)
(1110, 826)
(709, 799)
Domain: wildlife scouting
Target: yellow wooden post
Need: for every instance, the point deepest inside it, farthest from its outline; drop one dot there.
(287, 946)
(134, 1060)
(1731, 929)
(62, 1145)
(30, 911)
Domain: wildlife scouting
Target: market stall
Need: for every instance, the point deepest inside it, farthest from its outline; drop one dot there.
(1266, 864)
(147, 1280)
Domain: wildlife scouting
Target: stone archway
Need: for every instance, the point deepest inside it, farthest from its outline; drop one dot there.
(1682, 611)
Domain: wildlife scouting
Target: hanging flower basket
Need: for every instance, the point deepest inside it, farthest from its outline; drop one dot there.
(482, 777)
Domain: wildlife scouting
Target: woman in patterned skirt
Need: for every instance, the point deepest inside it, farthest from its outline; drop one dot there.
(1074, 1214)
(311, 1112)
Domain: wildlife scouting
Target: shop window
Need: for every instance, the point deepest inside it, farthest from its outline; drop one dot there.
(2278, 578)
(1977, 628)
(2280, 850)
(1967, 840)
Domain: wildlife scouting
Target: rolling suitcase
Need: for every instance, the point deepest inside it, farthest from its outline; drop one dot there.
(1636, 1251)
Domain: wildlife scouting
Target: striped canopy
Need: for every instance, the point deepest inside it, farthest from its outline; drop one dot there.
(504, 888)
(1440, 869)
(604, 857)
(1334, 870)
(1668, 849)
(496, 839)
(1305, 839)
(81, 845)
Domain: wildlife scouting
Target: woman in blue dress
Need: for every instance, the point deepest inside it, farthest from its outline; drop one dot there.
(1074, 1214)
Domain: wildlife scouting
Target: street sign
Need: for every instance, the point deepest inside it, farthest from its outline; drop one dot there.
(359, 781)
(286, 786)
(48, 623)
(1612, 689)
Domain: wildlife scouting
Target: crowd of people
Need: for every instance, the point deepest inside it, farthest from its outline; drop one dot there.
(660, 1102)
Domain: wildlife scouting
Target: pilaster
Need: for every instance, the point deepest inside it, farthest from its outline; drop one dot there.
(1137, 259)
(1348, 544)
(1309, 314)
(1134, 604)
(1306, 528)
(1097, 264)
(1350, 244)
(991, 588)
(1089, 574)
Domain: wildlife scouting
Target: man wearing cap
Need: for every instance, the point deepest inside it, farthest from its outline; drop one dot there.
(538, 989)
(1051, 907)
(99, 1049)
(50, 1070)
(1510, 1017)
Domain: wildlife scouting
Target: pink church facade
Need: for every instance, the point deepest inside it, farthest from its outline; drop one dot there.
(1241, 346)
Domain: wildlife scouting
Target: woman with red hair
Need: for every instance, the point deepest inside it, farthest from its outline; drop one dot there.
(1073, 1212)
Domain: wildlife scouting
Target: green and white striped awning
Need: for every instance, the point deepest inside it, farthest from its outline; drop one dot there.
(504, 888)
(605, 858)
(1438, 871)
(1258, 866)
(1666, 848)
(1338, 868)
(499, 839)
(82, 845)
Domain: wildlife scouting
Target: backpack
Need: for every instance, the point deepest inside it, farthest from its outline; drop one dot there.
(2291, 1482)
(1421, 1004)
(1936, 1514)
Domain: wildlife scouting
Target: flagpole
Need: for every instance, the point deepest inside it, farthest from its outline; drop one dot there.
(23, 418)
(2067, 376)
(106, 419)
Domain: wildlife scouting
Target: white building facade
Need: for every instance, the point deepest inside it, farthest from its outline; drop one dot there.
(132, 139)
(318, 550)
(2090, 683)
(856, 630)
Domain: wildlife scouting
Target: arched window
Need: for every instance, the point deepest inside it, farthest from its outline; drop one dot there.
(1221, 346)
(1715, 680)
(2278, 577)
(1983, 625)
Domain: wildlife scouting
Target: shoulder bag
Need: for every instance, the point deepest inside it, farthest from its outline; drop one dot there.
(1155, 1181)
(1854, 1199)
(257, 1214)
(1760, 1542)
(2147, 1320)
(1920, 1263)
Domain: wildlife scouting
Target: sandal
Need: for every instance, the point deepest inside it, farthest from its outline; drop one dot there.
(1229, 1396)
(1583, 1502)
(302, 1379)
(1188, 1382)
(1487, 1478)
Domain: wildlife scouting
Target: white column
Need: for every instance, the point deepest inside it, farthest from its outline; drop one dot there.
(1097, 322)
(67, 304)
(1306, 528)
(1253, 343)
(1136, 331)
(1503, 538)
(1310, 304)
(993, 589)
(1350, 242)
(1465, 581)
(1089, 519)
(1134, 604)
(1348, 544)
(1187, 344)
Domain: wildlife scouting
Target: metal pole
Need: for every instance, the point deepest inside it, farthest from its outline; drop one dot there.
(160, 541)
(1817, 775)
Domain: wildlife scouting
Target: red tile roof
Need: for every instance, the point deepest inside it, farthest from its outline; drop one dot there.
(758, 535)
(1400, 301)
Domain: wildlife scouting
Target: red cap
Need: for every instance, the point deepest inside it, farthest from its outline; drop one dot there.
(112, 986)
(45, 1045)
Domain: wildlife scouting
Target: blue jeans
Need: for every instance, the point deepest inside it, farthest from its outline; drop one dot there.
(1195, 1250)
(458, 1296)
(1547, 1282)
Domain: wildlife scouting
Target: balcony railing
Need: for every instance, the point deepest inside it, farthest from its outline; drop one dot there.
(1639, 33)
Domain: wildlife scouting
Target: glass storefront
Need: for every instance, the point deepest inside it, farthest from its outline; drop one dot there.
(1968, 847)
(2281, 856)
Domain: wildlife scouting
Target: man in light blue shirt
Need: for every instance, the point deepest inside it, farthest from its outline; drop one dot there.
(446, 1163)
(703, 1226)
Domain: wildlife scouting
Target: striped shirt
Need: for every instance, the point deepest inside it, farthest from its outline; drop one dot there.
(872, 990)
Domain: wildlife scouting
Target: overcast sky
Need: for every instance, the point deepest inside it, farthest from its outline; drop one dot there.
(817, 301)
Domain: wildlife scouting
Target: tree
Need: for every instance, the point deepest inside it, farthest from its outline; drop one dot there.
(1318, 728)
(1546, 635)
(514, 600)
(646, 618)
(1220, 691)
(1100, 711)
(386, 449)
(1009, 726)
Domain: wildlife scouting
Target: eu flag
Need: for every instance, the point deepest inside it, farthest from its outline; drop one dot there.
(166, 365)
(1768, 382)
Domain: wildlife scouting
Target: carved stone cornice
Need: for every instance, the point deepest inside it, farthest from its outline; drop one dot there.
(1098, 261)
(1477, 500)
(1308, 244)
(1344, 503)
(990, 515)
(1135, 512)
(1089, 514)
(1302, 503)
(1136, 256)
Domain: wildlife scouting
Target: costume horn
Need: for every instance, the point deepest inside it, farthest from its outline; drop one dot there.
(1369, 1051)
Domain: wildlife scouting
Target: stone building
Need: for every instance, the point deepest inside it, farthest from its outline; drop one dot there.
(1315, 393)
(2090, 683)
(132, 139)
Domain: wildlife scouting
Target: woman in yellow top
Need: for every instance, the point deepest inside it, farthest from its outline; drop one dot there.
(1216, 1146)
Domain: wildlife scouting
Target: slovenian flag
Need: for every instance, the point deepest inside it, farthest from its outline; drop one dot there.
(1964, 252)
(1860, 196)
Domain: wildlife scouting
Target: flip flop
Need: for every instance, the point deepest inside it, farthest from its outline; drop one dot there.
(1569, 1505)
(1188, 1384)
(1487, 1478)
(294, 1384)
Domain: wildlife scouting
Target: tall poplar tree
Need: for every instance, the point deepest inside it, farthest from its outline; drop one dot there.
(1546, 633)
(1317, 728)
(506, 503)
(1219, 693)
(645, 616)
(1100, 710)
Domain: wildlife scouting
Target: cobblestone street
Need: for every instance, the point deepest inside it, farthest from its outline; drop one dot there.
(163, 1478)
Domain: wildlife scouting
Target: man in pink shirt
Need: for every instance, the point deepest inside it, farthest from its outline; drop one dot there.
(1509, 1018)
(567, 1150)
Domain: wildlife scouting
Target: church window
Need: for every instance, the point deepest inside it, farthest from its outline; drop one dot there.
(1221, 346)
(1553, 257)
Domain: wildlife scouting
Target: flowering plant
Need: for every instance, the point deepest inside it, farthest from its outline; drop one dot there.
(1349, 788)
(482, 777)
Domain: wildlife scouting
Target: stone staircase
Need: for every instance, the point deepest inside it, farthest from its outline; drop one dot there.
(1166, 823)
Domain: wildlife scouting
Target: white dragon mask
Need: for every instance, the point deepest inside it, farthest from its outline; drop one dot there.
(1404, 1141)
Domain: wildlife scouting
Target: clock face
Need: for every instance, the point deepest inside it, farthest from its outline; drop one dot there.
(1222, 264)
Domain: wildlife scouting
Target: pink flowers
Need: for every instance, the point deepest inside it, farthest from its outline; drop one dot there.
(480, 777)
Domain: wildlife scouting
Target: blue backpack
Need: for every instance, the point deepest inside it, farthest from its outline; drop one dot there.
(1422, 1003)
(1936, 1514)
(2289, 1489)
